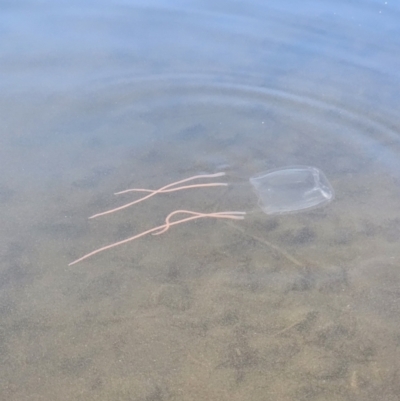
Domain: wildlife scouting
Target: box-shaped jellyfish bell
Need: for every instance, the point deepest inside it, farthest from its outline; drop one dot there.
(291, 189)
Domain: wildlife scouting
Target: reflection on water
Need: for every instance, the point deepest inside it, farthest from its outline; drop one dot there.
(99, 97)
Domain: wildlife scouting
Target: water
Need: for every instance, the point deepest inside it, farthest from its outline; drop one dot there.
(103, 96)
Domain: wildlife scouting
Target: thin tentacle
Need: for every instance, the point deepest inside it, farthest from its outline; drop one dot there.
(162, 189)
(167, 225)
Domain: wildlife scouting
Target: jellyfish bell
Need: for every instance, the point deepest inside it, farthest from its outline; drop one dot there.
(291, 189)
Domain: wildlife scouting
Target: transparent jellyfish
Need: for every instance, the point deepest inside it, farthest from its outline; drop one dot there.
(291, 189)
(280, 191)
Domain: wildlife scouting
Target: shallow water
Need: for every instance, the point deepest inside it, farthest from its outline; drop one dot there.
(104, 96)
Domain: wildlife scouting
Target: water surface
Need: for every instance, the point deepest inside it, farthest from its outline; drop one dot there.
(103, 96)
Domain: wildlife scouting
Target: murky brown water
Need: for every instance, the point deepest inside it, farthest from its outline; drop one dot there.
(104, 96)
